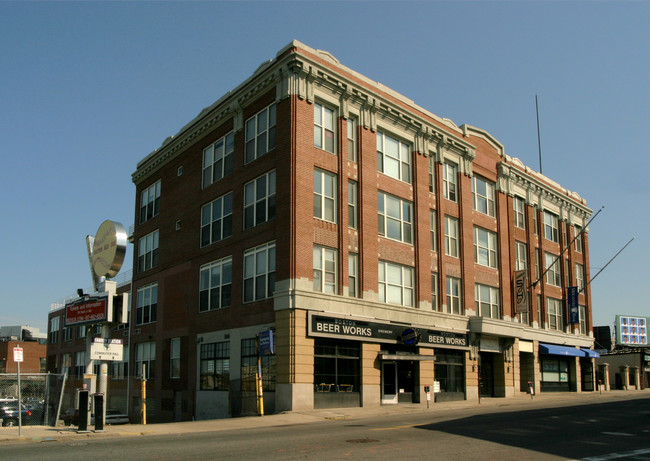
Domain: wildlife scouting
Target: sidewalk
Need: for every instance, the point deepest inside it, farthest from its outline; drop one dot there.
(524, 402)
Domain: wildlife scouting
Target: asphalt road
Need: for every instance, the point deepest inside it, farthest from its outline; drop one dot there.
(602, 431)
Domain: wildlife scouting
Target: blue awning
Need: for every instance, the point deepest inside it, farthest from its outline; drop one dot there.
(552, 349)
(590, 354)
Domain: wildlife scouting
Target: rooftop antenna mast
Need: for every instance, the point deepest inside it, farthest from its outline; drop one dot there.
(539, 138)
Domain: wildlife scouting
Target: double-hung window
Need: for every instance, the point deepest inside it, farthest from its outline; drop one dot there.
(216, 220)
(325, 187)
(147, 304)
(218, 159)
(353, 204)
(552, 267)
(259, 200)
(215, 366)
(487, 301)
(554, 313)
(215, 291)
(395, 218)
(580, 276)
(449, 181)
(353, 274)
(145, 354)
(324, 128)
(260, 133)
(259, 272)
(451, 237)
(519, 209)
(434, 292)
(521, 256)
(54, 329)
(485, 247)
(148, 251)
(483, 192)
(175, 358)
(325, 269)
(551, 229)
(454, 304)
(80, 363)
(432, 174)
(352, 139)
(582, 310)
(433, 225)
(393, 157)
(578, 238)
(150, 202)
(396, 284)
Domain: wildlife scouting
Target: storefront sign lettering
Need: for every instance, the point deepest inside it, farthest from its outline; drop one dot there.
(320, 325)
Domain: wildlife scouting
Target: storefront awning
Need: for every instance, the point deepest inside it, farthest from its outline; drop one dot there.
(590, 354)
(552, 349)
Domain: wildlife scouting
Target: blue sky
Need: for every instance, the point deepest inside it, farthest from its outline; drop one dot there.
(87, 89)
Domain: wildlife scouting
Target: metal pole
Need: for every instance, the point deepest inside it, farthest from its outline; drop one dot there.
(144, 393)
(539, 138)
(258, 380)
(20, 413)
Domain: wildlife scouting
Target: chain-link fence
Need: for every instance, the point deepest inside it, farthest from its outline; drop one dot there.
(40, 394)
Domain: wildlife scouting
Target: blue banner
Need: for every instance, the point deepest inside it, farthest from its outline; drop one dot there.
(572, 297)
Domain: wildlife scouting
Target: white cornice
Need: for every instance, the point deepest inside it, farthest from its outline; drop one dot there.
(513, 172)
(296, 73)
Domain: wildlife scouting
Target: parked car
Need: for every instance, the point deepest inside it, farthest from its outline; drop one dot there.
(37, 407)
(113, 416)
(9, 413)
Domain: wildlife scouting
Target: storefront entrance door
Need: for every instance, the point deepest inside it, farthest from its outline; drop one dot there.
(389, 382)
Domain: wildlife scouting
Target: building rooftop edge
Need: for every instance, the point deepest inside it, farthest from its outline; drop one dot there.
(464, 131)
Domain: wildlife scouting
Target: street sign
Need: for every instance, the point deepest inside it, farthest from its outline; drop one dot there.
(107, 349)
(266, 343)
(18, 354)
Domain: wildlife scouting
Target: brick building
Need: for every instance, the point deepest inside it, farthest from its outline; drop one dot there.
(378, 240)
(33, 356)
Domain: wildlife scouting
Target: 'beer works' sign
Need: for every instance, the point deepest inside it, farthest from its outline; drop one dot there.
(334, 327)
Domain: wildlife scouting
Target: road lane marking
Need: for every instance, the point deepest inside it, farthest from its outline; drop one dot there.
(407, 426)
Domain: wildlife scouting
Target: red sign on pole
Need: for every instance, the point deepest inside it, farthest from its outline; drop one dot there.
(94, 310)
(18, 354)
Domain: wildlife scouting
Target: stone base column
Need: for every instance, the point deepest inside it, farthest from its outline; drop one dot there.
(370, 375)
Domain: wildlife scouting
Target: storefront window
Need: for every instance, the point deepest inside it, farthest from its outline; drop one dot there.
(556, 375)
(336, 366)
(555, 371)
(449, 373)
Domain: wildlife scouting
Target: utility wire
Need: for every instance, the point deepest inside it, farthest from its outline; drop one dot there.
(579, 234)
(613, 257)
